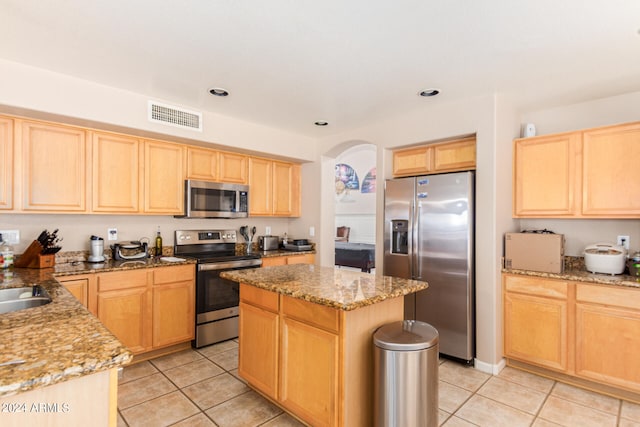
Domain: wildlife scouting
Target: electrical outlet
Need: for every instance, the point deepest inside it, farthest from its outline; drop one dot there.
(267, 230)
(112, 234)
(623, 241)
(312, 231)
(12, 237)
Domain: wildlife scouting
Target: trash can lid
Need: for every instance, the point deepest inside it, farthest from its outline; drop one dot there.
(406, 335)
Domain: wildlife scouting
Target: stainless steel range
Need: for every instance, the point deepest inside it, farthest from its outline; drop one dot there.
(217, 299)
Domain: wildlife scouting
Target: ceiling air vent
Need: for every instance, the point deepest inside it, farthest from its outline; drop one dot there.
(174, 116)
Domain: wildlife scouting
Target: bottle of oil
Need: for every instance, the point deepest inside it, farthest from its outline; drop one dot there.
(158, 243)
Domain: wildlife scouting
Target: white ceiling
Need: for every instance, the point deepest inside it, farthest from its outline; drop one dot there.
(288, 63)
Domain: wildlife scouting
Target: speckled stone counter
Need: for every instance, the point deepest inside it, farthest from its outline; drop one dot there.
(60, 340)
(583, 276)
(336, 288)
(282, 252)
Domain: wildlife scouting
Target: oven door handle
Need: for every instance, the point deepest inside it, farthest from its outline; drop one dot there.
(229, 265)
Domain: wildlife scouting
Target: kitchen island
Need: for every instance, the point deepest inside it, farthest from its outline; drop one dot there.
(306, 337)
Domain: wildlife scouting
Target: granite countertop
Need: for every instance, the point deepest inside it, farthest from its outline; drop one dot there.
(332, 287)
(61, 340)
(283, 252)
(581, 275)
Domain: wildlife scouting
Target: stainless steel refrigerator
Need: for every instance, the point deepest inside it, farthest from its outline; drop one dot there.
(429, 235)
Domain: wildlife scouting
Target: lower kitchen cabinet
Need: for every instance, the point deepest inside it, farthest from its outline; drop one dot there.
(146, 309)
(78, 287)
(587, 333)
(607, 332)
(312, 360)
(535, 321)
(258, 362)
(173, 305)
(290, 259)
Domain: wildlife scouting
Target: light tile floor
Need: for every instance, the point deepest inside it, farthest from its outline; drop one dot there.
(202, 388)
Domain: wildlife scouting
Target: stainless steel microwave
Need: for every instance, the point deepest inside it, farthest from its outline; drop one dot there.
(205, 199)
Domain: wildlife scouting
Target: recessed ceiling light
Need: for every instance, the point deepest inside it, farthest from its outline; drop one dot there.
(321, 123)
(429, 92)
(218, 91)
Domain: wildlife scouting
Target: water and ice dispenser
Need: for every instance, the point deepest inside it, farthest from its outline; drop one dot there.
(399, 236)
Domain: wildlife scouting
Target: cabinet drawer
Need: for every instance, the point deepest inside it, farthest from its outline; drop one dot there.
(259, 297)
(179, 273)
(313, 314)
(536, 286)
(122, 280)
(609, 295)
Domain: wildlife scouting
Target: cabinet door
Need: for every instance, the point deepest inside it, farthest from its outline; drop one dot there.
(546, 176)
(258, 357)
(535, 330)
(309, 372)
(6, 160)
(260, 187)
(127, 314)
(78, 288)
(301, 259)
(202, 164)
(412, 161)
(611, 171)
(286, 189)
(607, 345)
(275, 260)
(233, 168)
(173, 313)
(163, 178)
(116, 173)
(455, 155)
(54, 168)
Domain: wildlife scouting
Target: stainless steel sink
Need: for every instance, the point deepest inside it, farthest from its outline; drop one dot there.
(13, 299)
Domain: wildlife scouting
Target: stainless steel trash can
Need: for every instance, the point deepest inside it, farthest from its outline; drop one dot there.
(406, 375)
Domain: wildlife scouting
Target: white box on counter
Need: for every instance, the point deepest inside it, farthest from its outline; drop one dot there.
(534, 251)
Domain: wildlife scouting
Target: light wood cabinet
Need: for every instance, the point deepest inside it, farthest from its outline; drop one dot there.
(163, 177)
(202, 164)
(6, 160)
(312, 360)
(536, 321)
(288, 259)
(546, 172)
(259, 350)
(173, 305)
(53, 167)
(274, 188)
(439, 157)
(116, 176)
(124, 307)
(78, 287)
(611, 178)
(607, 328)
(586, 334)
(232, 167)
(584, 174)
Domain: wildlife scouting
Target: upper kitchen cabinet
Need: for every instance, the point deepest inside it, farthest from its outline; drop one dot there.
(439, 157)
(274, 188)
(202, 164)
(546, 175)
(611, 174)
(53, 167)
(585, 174)
(232, 167)
(6, 160)
(163, 177)
(116, 176)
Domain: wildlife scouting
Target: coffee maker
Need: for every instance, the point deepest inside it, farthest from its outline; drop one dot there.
(97, 249)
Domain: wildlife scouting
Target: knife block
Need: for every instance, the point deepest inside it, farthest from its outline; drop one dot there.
(33, 257)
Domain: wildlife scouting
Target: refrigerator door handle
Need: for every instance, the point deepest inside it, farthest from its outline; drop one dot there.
(416, 272)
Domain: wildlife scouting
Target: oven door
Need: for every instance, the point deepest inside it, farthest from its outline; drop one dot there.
(216, 298)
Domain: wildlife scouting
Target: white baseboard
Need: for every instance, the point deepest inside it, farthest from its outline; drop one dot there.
(493, 369)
